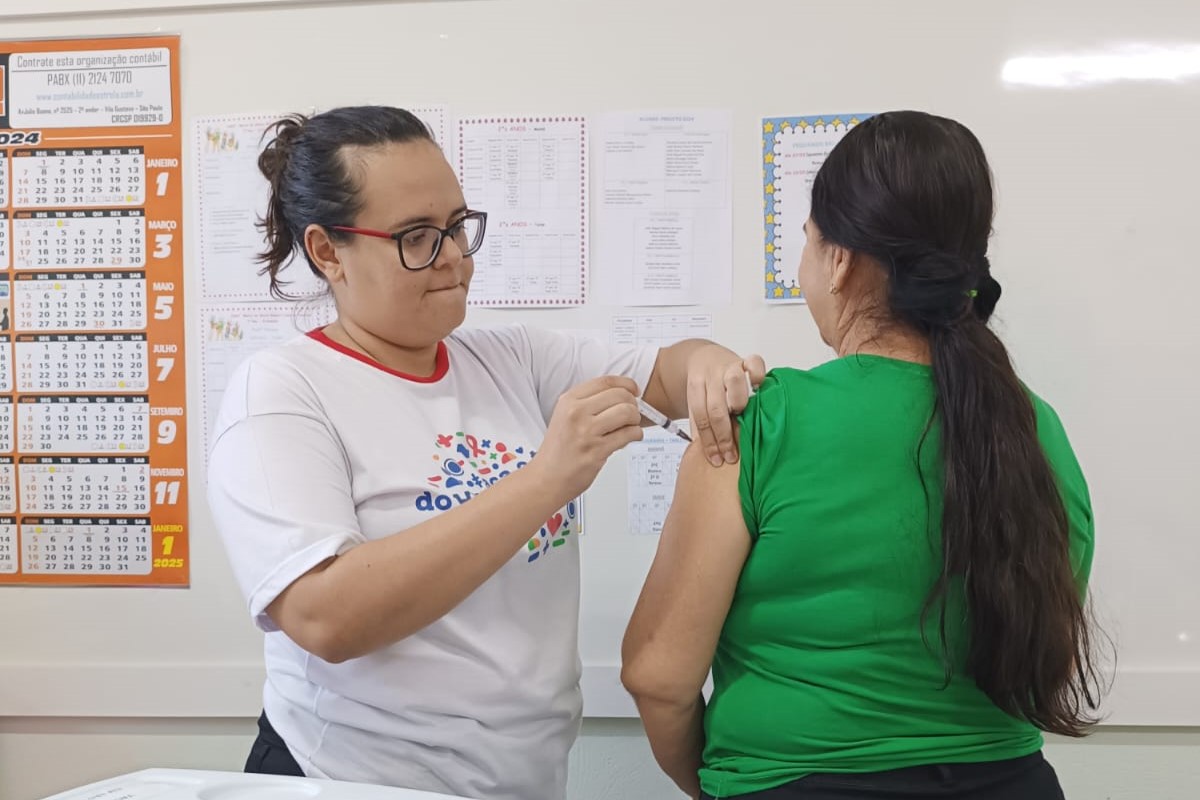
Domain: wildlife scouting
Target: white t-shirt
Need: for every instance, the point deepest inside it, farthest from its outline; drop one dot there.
(317, 449)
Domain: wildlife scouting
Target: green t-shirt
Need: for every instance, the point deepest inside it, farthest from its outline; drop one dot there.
(821, 666)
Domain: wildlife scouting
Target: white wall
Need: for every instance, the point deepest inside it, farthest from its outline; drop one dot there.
(611, 761)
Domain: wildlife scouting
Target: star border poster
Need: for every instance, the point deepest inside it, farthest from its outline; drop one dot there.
(793, 149)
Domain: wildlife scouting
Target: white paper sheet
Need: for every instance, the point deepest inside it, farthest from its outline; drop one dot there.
(232, 196)
(231, 333)
(530, 175)
(653, 466)
(630, 330)
(664, 212)
(437, 119)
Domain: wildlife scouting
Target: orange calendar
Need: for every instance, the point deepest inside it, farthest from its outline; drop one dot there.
(93, 454)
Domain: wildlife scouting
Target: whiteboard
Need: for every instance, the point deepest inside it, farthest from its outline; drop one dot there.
(1093, 146)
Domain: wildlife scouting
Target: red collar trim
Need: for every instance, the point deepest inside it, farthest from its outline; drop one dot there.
(441, 363)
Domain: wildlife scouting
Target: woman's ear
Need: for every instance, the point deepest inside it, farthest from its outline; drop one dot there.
(323, 253)
(841, 262)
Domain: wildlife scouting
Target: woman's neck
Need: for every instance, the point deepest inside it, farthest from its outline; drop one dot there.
(892, 341)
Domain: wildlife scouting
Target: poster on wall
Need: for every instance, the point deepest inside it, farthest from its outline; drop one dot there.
(663, 227)
(230, 334)
(231, 198)
(530, 175)
(794, 148)
(93, 454)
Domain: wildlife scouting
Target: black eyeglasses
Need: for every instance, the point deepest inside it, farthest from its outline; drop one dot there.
(419, 245)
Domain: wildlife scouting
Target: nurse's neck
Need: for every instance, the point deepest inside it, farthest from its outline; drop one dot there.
(419, 361)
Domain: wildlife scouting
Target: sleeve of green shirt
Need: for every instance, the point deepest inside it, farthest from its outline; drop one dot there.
(763, 428)
(1073, 488)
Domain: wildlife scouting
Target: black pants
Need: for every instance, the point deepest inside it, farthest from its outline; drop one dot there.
(269, 755)
(1028, 778)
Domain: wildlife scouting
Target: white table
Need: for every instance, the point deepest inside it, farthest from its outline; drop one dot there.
(186, 784)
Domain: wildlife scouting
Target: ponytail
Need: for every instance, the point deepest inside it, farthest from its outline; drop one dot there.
(281, 239)
(914, 193)
(1005, 534)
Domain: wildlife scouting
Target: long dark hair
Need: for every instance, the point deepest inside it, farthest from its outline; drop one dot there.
(914, 192)
(311, 179)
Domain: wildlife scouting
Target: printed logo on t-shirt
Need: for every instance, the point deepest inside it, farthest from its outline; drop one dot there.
(466, 465)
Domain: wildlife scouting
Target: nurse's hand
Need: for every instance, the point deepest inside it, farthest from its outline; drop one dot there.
(590, 423)
(719, 384)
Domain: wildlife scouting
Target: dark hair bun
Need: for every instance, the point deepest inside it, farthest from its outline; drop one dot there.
(274, 158)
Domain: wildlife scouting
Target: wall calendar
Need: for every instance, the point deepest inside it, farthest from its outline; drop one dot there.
(93, 456)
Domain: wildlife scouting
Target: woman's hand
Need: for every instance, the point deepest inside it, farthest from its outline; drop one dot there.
(719, 383)
(590, 422)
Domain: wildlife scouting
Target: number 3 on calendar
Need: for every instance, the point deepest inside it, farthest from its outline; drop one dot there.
(162, 244)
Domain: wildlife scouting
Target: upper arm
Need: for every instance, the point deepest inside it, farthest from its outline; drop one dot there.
(280, 493)
(560, 361)
(673, 634)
